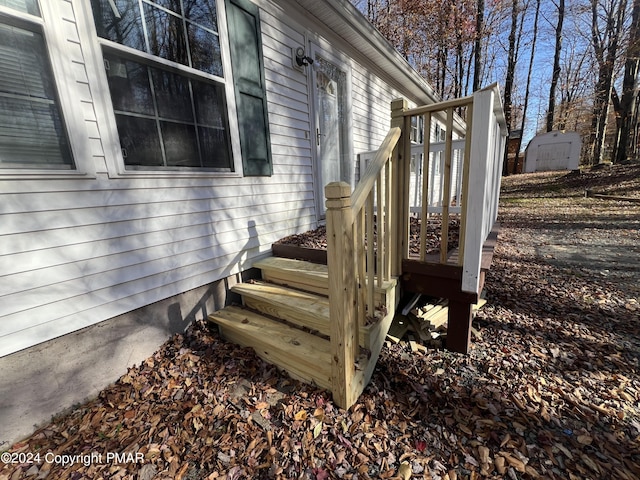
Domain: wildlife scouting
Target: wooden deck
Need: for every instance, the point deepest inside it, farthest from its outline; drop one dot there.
(445, 281)
(428, 277)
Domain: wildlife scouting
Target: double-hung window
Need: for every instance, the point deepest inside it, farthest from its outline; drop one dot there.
(168, 69)
(165, 73)
(33, 134)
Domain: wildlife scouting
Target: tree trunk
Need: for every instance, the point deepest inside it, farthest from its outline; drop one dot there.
(606, 50)
(628, 112)
(508, 85)
(477, 64)
(556, 67)
(526, 94)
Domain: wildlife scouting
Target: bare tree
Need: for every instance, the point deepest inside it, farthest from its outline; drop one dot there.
(628, 113)
(477, 56)
(607, 29)
(435, 37)
(527, 89)
(511, 69)
(556, 67)
(573, 84)
(511, 62)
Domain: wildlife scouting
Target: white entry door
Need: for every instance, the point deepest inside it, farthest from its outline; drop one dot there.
(331, 86)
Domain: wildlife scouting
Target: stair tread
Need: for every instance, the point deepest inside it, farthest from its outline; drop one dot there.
(303, 275)
(299, 307)
(294, 266)
(303, 355)
(300, 274)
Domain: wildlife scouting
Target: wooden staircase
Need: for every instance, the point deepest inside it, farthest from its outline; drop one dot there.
(285, 319)
(327, 324)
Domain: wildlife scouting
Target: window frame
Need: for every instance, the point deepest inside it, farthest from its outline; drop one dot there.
(116, 166)
(70, 110)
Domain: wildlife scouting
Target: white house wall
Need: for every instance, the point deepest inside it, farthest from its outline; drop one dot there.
(75, 251)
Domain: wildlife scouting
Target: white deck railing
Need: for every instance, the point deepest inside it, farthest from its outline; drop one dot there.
(485, 173)
(435, 187)
(457, 168)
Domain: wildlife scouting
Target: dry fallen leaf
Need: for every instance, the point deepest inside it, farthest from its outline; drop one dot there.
(404, 471)
(585, 439)
(317, 430)
(483, 453)
(550, 386)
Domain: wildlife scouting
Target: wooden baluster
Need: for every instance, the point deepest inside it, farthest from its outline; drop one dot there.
(342, 292)
(370, 255)
(362, 268)
(424, 211)
(465, 184)
(406, 182)
(387, 221)
(380, 233)
(446, 197)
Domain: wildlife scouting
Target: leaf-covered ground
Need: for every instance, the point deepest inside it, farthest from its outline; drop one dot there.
(551, 389)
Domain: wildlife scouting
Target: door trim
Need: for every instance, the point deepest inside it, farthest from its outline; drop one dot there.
(323, 49)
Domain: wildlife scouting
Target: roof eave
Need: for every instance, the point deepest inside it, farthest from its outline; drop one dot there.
(371, 43)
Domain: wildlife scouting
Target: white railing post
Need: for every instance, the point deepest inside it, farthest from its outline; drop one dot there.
(481, 194)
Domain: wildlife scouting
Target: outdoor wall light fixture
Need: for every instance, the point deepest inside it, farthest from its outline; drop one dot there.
(302, 60)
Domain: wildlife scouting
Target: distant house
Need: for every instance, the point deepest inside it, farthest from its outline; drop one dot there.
(149, 152)
(515, 163)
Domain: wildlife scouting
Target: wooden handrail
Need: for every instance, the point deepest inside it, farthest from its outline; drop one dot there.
(438, 107)
(367, 181)
(357, 254)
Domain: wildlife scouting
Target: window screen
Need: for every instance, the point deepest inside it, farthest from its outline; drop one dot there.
(32, 130)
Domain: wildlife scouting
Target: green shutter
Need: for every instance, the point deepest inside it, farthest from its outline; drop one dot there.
(243, 21)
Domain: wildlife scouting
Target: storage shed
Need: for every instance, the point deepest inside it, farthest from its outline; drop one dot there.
(553, 151)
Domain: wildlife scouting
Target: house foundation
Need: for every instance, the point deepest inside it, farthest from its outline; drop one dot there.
(49, 379)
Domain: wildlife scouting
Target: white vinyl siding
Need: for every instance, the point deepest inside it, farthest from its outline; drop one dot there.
(78, 250)
(371, 108)
(127, 247)
(288, 102)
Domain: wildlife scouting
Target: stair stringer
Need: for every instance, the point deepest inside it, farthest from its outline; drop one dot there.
(376, 335)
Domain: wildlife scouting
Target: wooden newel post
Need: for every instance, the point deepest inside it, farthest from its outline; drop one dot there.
(398, 222)
(398, 106)
(342, 292)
